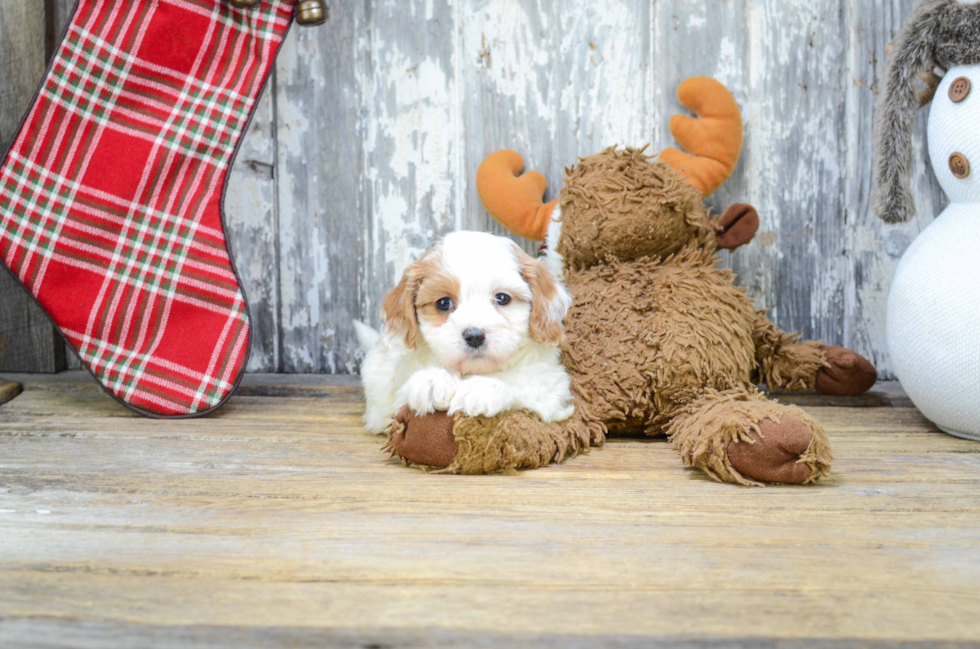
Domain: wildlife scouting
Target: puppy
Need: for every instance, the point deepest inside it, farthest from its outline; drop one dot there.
(472, 327)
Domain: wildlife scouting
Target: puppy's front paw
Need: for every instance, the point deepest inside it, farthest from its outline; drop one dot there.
(479, 395)
(427, 391)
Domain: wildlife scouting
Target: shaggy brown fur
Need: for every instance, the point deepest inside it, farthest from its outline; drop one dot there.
(703, 430)
(783, 362)
(620, 205)
(658, 339)
(509, 441)
(645, 337)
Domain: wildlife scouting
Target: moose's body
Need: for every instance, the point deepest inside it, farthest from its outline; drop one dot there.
(642, 340)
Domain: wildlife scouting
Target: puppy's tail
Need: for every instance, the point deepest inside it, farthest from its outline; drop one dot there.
(366, 336)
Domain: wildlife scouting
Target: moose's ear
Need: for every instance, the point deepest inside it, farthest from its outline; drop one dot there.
(736, 227)
(515, 201)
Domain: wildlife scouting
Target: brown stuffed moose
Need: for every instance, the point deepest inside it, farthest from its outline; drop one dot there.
(659, 340)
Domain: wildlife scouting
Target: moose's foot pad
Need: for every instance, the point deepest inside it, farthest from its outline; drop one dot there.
(774, 454)
(427, 440)
(847, 373)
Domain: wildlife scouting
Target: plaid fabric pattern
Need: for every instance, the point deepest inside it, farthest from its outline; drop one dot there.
(110, 195)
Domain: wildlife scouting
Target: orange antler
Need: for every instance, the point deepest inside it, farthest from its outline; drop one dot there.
(514, 201)
(714, 137)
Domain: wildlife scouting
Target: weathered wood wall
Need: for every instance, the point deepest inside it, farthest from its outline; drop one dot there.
(28, 341)
(369, 135)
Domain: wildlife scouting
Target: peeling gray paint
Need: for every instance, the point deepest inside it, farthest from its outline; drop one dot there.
(367, 143)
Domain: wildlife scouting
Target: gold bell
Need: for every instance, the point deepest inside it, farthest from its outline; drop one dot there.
(245, 4)
(311, 12)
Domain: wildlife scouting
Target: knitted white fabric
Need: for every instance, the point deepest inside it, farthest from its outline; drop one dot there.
(934, 305)
(955, 128)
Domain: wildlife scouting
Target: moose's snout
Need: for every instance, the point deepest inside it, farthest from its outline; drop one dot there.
(474, 337)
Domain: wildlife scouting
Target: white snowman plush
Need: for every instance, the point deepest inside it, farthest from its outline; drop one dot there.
(934, 306)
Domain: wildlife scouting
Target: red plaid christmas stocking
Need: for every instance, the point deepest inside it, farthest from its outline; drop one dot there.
(110, 196)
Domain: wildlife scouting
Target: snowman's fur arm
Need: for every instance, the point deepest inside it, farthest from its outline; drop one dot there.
(941, 33)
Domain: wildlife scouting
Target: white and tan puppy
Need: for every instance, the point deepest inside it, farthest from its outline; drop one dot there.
(472, 327)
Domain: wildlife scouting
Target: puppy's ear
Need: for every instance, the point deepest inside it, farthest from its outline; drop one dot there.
(398, 307)
(549, 300)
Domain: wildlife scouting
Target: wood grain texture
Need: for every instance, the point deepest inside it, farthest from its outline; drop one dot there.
(59, 12)
(28, 341)
(251, 222)
(325, 230)
(366, 145)
(558, 80)
(505, 52)
(884, 394)
(874, 248)
(797, 62)
(279, 519)
(8, 390)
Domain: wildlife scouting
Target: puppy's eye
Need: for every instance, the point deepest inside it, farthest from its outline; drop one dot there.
(502, 299)
(444, 304)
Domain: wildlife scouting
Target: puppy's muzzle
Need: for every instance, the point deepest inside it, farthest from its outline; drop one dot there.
(474, 337)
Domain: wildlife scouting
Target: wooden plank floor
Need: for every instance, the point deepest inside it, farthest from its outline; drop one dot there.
(278, 522)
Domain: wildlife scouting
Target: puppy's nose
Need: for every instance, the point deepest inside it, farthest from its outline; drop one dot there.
(474, 337)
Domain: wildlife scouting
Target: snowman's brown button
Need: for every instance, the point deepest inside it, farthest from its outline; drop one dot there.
(959, 165)
(959, 89)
